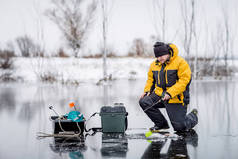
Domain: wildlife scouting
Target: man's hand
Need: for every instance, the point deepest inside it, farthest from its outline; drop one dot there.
(146, 93)
(166, 97)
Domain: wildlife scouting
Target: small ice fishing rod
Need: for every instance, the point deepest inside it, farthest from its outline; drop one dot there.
(51, 108)
(155, 104)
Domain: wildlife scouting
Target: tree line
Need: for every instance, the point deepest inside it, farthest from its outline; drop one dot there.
(75, 18)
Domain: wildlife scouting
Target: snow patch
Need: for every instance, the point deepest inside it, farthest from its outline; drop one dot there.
(80, 69)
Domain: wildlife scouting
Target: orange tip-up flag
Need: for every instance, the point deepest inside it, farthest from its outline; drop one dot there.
(71, 105)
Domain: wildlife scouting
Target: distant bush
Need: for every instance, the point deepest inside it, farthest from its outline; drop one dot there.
(28, 48)
(139, 48)
(93, 56)
(7, 76)
(48, 77)
(6, 65)
(70, 82)
(100, 55)
(62, 53)
(6, 61)
(207, 67)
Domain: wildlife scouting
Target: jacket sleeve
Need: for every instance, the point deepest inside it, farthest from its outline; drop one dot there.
(150, 80)
(184, 77)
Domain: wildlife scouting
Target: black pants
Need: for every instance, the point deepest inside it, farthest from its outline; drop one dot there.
(176, 112)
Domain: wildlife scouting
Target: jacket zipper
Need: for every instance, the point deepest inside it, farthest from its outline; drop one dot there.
(158, 79)
(166, 78)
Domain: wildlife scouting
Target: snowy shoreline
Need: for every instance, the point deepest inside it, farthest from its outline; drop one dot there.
(79, 70)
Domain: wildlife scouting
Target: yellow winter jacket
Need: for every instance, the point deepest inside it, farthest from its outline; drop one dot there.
(177, 76)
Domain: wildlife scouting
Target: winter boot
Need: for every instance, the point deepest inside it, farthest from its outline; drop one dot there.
(157, 128)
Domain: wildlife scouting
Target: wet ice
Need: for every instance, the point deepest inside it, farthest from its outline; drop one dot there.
(24, 112)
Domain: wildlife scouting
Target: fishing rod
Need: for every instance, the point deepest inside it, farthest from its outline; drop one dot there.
(155, 104)
(51, 108)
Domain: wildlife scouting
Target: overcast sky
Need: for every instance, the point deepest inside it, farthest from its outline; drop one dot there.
(128, 19)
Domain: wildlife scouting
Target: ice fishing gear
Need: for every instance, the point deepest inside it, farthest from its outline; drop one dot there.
(72, 105)
(160, 100)
(153, 105)
(71, 123)
(51, 108)
(114, 119)
(65, 125)
(92, 129)
(75, 116)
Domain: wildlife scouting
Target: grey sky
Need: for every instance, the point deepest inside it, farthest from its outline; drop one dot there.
(128, 19)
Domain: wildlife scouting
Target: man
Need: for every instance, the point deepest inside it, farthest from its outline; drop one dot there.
(167, 87)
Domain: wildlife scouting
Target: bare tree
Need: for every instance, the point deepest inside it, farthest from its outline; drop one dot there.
(68, 16)
(159, 8)
(6, 61)
(105, 10)
(138, 48)
(228, 38)
(24, 44)
(196, 38)
(188, 15)
(190, 36)
(40, 42)
(104, 34)
(222, 42)
(28, 47)
(217, 43)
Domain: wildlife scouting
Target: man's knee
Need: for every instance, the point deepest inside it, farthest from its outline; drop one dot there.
(142, 103)
(145, 102)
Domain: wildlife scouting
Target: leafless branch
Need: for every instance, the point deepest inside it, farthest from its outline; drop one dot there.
(68, 16)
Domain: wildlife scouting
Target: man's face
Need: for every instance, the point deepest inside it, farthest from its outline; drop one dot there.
(163, 59)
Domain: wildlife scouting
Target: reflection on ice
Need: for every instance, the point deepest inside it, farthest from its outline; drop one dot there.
(24, 112)
(114, 145)
(73, 146)
(171, 148)
(61, 145)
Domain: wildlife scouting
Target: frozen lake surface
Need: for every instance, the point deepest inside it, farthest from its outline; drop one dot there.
(24, 112)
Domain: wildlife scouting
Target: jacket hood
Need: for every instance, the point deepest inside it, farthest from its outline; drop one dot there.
(173, 52)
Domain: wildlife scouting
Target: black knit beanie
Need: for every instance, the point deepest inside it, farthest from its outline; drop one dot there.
(160, 49)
